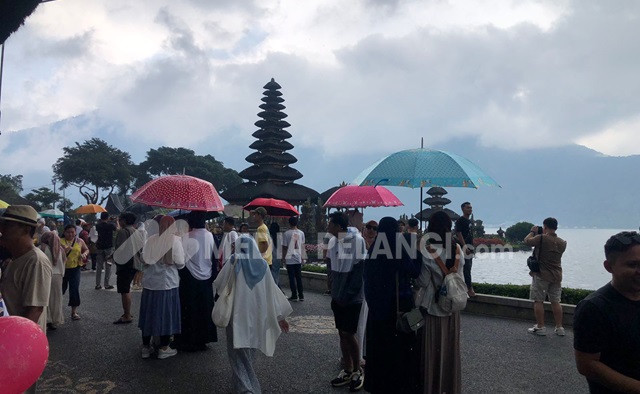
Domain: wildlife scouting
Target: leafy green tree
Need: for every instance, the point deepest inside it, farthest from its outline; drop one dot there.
(95, 168)
(171, 161)
(478, 229)
(9, 183)
(44, 197)
(518, 231)
(65, 205)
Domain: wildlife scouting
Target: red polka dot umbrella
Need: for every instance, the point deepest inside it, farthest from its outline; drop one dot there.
(179, 192)
(352, 196)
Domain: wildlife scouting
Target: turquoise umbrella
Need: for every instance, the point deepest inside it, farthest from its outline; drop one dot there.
(424, 168)
(52, 213)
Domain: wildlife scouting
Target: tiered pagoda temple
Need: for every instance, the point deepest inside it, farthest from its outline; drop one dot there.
(436, 203)
(270, 175)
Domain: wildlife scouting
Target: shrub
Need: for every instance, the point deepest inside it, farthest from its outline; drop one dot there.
(518, 231)
(487, 241)
(569, 296)
(321, 269)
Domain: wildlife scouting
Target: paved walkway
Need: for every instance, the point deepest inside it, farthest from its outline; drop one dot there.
(94, 356)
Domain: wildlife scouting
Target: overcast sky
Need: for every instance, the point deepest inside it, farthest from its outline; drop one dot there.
(520, 74)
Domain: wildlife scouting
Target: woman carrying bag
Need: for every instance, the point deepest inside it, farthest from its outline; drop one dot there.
(76, 251)
(440, 349)
(258, 312)
(389, 351)
(160, 303)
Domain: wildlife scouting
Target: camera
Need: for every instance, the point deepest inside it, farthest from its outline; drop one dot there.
(539, 230)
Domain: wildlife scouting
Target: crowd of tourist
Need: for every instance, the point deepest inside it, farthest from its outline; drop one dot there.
(380, 276)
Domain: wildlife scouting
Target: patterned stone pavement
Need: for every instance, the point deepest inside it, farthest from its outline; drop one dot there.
(94, 356)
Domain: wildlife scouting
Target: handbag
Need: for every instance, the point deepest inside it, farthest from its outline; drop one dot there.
(221, 314)
(407, 322)
(532, 262)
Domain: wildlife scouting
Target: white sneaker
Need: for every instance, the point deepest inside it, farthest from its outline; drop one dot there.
(542, 331)
(170, 352)
(146, 351)
(559, 331)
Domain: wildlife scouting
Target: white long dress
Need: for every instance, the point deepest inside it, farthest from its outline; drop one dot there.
(254, 324)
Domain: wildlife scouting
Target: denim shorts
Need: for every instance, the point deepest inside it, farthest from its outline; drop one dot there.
(541, 288)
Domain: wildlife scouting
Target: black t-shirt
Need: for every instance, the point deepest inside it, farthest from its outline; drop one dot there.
(608, 323)
(465, 227)
(105, 234)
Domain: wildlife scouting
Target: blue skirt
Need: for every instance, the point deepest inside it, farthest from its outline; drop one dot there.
(159, 312)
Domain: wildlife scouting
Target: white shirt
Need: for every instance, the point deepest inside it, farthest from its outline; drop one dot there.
(293, 240)
(198, 248)
(157, 275)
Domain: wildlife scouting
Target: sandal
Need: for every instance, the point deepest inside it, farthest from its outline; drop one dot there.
(122, 321)
(75, 316)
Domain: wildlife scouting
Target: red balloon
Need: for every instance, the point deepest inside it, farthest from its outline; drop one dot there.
(24, 350)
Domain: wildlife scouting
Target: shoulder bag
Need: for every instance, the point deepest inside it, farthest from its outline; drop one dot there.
(221, 314)
(533, 262)
(407, 322)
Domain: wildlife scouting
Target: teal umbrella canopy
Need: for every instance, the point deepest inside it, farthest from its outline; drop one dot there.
(52, 213)
(424, 168)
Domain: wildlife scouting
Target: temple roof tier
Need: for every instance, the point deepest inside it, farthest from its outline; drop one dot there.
(436, 191)
(273, 145)
(291, 192)
(258, 173)
(269, 115)
(272, 106)
(272, 93)
(268, 157)
(274, 124)
(425, 214)
(270, 100)
(441, 201)
(272, 85)
(276, 134)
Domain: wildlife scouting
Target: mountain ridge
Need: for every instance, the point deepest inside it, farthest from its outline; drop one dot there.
(578, 185)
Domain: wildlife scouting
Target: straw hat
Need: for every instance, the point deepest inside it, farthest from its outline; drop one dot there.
(22, 214)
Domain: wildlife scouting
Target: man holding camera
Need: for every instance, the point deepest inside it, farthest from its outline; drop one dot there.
(548, 281)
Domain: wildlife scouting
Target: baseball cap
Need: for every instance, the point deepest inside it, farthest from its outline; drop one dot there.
(260, 211)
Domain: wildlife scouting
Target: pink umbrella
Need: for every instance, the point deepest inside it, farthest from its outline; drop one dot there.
(179, 192)
(353, 196)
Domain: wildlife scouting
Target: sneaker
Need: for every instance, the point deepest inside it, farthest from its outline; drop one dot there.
(162, 354)
(98, 287)
(343, 379)
(301, 299)
(108, 287)
(146, 351)
(542, 331)
(559, 331)
(293, 299)
(357, 380)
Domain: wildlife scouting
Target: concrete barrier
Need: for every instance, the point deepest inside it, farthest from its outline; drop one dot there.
(482, 304)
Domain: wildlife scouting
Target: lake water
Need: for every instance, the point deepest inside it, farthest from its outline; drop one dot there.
(581, 263)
